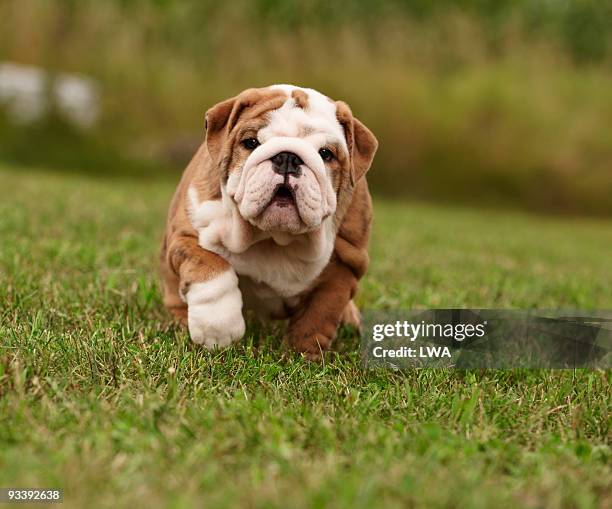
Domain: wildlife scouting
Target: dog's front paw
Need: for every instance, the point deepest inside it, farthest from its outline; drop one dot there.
(214, 311)
(311, 346)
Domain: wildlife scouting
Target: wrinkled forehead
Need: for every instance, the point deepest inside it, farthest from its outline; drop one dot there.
(305, 113)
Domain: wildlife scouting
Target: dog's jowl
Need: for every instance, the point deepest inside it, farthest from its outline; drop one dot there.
(272, 214)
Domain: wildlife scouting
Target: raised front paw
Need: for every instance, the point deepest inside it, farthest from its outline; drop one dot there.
(214, 311)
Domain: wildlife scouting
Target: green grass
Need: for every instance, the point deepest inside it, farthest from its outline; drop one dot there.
(101, 395)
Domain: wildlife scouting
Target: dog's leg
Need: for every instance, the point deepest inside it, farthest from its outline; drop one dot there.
(208, 288)
(351, 316)
(172, 298)
(314, 326)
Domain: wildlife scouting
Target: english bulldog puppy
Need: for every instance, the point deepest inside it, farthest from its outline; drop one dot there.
(272, 214)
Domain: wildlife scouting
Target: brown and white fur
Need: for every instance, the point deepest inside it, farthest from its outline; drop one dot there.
(234, 241)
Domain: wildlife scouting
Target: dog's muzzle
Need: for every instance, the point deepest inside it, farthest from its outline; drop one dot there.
(283, 186)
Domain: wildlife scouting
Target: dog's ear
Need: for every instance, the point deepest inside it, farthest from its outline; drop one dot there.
(219, 121)
(223, 117)
(361, 142)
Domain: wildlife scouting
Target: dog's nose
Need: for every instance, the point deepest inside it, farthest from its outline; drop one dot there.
(287, 163)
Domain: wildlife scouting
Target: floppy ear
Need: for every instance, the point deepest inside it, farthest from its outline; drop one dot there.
(218, 124)
(362, 144)
(223, 117)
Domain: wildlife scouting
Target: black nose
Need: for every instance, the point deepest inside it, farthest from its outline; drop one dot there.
(287, 163)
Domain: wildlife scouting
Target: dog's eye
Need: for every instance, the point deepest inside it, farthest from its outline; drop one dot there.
(250, 143)
(326, 154)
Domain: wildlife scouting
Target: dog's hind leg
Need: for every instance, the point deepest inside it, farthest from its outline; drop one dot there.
(351, 316)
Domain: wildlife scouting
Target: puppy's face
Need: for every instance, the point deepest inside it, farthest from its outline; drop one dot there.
(288, 157)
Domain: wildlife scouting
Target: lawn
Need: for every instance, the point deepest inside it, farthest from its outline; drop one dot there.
(101, 395)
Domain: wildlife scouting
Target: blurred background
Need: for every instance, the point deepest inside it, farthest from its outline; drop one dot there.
(486, 102)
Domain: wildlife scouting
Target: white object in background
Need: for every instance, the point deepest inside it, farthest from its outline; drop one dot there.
(23, 92)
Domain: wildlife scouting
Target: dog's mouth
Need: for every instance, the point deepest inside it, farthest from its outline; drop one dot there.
(284, 196)
(282, 212)
(271, 201)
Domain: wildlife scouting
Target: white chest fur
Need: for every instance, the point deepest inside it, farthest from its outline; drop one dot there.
(284, 265)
